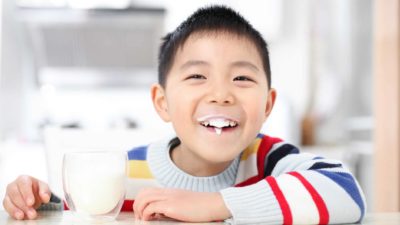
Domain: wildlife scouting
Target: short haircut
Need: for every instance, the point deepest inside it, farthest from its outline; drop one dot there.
(210, 19)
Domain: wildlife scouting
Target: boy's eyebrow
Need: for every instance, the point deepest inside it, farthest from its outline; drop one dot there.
(245, 64)
(194, 63)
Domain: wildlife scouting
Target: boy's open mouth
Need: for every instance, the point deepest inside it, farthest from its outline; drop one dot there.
(219, 124)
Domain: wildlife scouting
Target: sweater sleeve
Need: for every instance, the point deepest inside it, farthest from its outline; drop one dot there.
(297, 188)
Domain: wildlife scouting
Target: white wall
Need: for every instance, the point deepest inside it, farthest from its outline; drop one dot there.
(13, 82)
(272, 18)
(288, 28)
(1, 33)
(1, 43)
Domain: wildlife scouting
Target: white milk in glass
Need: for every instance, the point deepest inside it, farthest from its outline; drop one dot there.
(94, 182)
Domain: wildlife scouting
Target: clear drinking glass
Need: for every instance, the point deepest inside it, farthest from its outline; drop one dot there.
(94, 183)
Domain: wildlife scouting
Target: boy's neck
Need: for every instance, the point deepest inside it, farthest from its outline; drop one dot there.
(193, 165)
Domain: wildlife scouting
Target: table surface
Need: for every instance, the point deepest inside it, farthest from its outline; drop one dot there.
(66, 218)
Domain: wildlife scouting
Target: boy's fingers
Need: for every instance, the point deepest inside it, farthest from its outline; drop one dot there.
(153, 210)
(26, 188)
(145, 198)
(16, 198)
(12, 210)
(44, 192)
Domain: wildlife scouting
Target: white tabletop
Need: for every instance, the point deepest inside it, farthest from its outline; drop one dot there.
(66, 218)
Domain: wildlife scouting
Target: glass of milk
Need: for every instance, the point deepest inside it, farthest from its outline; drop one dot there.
(94, 183)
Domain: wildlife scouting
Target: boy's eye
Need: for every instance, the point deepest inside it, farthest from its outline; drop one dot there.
(242, 78)
(195, 76)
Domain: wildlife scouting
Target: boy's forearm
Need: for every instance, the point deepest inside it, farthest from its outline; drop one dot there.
(253, 204)
(218, 207)
(305, 197)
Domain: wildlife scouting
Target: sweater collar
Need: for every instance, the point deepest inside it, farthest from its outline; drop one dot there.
(169, 175)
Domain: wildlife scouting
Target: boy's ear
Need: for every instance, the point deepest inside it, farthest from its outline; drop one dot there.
(270, 102)
(160, 102)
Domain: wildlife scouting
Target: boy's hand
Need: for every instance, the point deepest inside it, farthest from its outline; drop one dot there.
(24, 196)
(180, 204)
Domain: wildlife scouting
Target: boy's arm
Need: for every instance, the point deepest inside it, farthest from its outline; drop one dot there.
(299, 188)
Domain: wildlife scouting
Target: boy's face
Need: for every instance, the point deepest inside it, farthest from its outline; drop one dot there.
(216, 96)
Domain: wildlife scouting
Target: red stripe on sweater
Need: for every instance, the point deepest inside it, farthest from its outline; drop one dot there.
(319, 202)
(262, 151)
(127, 206)
(286, 213)
(265, 147)
(251, 180)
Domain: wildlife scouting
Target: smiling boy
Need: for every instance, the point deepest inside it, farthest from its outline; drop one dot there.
(215, 88)
(217, 99)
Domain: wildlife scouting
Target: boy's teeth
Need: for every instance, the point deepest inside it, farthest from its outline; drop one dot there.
(219, 123)
(218, 130)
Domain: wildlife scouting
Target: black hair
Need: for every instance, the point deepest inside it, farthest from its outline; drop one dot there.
(209, 19)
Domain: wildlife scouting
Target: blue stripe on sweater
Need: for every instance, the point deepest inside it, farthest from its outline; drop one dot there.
(318, 157)
(277, 155)
(138, 153)
(346, 181)
(324, 165)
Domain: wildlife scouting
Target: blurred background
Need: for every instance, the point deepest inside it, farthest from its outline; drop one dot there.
(76, 74)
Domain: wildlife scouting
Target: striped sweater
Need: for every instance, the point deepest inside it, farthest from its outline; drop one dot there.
(270, 182)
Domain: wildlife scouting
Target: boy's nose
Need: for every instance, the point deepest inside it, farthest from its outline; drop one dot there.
(220, 95)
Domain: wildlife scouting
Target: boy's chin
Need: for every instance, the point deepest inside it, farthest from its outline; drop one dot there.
(219, 153)
(219, 158)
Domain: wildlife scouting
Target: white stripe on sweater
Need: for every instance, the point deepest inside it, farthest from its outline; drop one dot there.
(252, 204)
(247, 168)
(341, 207)
(310, 163)
(291, 162)
(302, 206)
